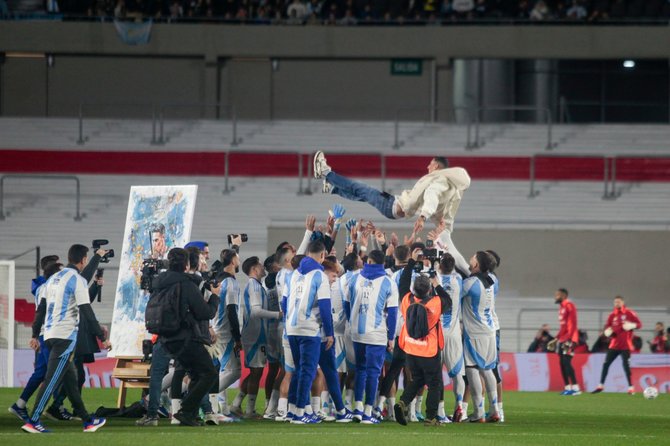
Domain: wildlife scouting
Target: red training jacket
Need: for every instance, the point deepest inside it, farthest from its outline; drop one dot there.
(622, 339)
(567, 318)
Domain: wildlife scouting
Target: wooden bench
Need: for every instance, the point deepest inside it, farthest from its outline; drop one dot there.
(133, 374)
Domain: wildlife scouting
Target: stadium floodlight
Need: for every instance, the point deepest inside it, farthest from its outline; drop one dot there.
(6, 323)
(629, 63)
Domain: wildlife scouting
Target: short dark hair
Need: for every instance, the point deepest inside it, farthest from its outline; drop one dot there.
(376, 257)
(349, 261)
(332, 258)
(316, 247)
(269, 261)
(44, 261)
(51, 269)
(485, 260)
(401, 253)
(158, 227)
(329, 266)
(442, 161)
(250, 263)
(564, 291)
(227, 256)
(295, 261)
(495, 256)
(282, 253)
(422, 287)
(416, 245)
(447, 263)
(76, 253)
(193, 257)
(282, 245)
(178, 260)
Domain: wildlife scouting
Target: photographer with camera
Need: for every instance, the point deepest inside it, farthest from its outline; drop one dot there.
(422, 339)
(186, 343)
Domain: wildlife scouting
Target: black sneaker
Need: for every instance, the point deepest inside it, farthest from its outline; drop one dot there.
(60, 414)
(400, 411)
(186, 420)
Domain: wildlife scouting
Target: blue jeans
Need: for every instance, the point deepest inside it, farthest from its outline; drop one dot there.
(329, 368)
(369, 362)
(160, 361)
(355, 191)
(305, 350)
(41, 360)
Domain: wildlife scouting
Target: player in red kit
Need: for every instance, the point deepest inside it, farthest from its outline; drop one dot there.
(619, 327)
(567, 338)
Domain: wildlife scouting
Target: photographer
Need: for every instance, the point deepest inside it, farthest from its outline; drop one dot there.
(542, 338)
(422, 308)
(188, 344)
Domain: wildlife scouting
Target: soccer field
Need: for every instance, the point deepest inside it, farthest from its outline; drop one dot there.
(531, 418)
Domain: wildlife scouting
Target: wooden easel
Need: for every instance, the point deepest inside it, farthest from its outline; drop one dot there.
(133, 374)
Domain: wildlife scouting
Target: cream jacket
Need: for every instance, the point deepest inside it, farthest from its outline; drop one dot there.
(436, 195)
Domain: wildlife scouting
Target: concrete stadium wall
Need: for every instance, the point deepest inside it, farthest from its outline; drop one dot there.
(593, 265)
(276, 72)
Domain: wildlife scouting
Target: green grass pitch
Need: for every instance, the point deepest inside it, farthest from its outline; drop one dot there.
(531, 419)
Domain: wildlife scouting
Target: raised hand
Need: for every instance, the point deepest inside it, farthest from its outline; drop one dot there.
(310, 221)
(394, 239)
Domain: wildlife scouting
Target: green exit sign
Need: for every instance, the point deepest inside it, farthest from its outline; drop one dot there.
(406, 67)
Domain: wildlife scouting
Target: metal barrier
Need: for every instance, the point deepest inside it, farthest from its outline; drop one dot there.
(550, 143)
(397, 143)
(302, 189)
(607, 195)
(158, 119)
(78, 216)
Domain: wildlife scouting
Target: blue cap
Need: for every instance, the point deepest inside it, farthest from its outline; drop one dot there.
(198, 244)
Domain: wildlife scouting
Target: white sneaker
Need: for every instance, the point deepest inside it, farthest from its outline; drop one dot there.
(174, 421)
(413, 418)
(270, 415)
(326, 187)
(281, 417)
(321, 167)
(502, 415)
(211, 419)
(225, 418)
(324, 417)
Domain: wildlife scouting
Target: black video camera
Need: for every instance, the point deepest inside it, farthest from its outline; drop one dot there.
(244, 237)
(150, 269)
(99, 243)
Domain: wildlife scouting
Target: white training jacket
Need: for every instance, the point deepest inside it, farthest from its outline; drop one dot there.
(436, 195)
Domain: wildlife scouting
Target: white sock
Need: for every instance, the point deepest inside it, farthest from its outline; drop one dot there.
(368, 410)
(359, 406)
(176, 405)
(476, 392)
(223, 403)
(272, 403)
(349, 400)
(419, 403)
(464, 407)
(299, 412)
(20, 404)
(214, 401)
(325, 399)
(575, 387)
(237, 402)
(316, 403)
(391, 403)
(282, 406)
(309, 409)
(251, 405)
(292, 408)
(381, 402)
(440, 410)
(412, 408)
(568, 387)
(491, 391)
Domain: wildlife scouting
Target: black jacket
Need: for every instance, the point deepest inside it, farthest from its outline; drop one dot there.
(193, 304)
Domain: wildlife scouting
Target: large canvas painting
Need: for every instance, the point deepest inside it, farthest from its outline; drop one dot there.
(159, 218)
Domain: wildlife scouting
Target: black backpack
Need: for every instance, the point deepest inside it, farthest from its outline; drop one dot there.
(417, 320)
(164, 313)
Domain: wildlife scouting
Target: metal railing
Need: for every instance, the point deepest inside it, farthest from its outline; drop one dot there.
(547, 111)
(78, 216)
(38, 256)
(158, 112)
(608, 194)
(304, 175)
(397, 143)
